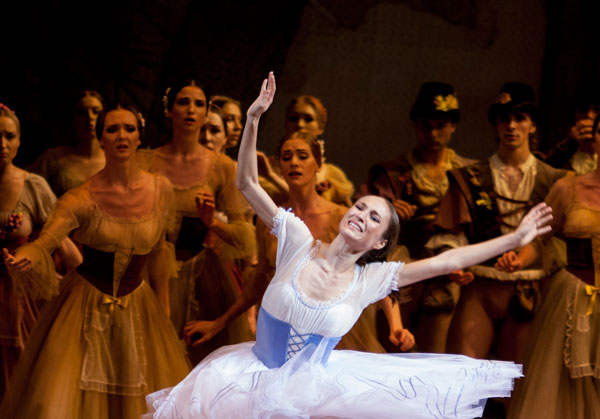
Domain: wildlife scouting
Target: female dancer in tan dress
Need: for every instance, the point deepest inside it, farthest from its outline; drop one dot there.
(203, 181)
(105, 340)
(26, 202)
(562, 370)
(66, 167)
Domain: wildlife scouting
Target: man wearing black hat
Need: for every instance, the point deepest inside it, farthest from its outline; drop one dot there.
(415, 183)
(486, 199)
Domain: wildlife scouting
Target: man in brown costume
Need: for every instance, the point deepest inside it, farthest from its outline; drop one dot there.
(485, 199)
(415, 183)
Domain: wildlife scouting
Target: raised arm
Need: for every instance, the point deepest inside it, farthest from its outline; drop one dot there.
(532, 225)
(247, 170)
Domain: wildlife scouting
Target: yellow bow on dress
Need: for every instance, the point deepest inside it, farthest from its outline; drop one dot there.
(115, 301)
(592, 291)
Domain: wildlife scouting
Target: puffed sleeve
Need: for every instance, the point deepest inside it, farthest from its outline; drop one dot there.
(379, 279)
(162, 263)
(38, 199)
(40, 280)
(293, 236)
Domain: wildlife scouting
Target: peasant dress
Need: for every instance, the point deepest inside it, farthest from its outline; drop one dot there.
(562, 367)
(203, 288)
(292, 369)
(20, 306)
(104, 341)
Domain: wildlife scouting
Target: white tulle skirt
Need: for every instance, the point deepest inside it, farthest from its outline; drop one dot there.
(231, 382)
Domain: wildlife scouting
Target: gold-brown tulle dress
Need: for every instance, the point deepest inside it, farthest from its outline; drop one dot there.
(56, 166)
(103, 342)
(19, 307)
(204, 288)
(562, 368)
(363, 335)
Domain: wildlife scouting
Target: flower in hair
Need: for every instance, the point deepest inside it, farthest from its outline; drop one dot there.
(142, 120)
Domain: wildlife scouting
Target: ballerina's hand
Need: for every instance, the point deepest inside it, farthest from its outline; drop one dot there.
(205, 204)
(509, 262)
(15, 265)
(196, 332)
(534, 224)
(265, 97)
(402, 338)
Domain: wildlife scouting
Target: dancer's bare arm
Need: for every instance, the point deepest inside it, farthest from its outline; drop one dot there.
(532, 226)
(247, 170)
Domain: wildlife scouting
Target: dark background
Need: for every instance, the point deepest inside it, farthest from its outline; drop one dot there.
(365, 59)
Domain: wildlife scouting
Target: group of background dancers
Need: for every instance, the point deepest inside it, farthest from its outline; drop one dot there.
(134, 278)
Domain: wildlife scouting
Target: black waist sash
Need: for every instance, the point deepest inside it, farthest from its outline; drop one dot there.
(580, 258)
(190, 240)
(98, 269)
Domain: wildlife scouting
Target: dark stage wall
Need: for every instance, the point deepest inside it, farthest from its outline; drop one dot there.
(364, 59)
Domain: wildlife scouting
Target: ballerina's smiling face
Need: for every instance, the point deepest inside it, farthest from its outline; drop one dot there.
(365, 224)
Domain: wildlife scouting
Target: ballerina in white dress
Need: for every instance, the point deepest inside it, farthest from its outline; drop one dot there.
(315, 297)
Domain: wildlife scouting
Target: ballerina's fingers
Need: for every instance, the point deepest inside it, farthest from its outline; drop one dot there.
(271, 86)
(543, 216)
(540, 215)
(544, 230)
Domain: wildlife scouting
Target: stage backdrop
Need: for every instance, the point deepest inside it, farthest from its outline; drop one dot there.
(365, 59)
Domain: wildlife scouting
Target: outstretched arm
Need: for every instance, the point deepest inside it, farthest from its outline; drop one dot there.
(247, 170)
(532, 225)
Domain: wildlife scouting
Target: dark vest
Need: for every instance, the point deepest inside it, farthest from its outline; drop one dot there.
(477, 186)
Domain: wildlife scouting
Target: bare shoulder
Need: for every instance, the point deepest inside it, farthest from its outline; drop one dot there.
(564, 184)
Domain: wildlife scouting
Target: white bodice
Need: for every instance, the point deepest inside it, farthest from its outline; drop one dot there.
(285, 301)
